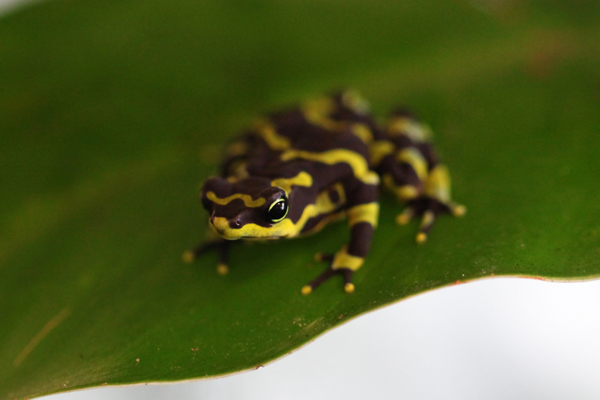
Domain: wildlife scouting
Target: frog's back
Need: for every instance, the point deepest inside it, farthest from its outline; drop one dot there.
(287, 142)
(302, 133)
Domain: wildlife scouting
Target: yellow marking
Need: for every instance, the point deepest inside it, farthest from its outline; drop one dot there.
(353, 100)
(222, 269)
(328, 123)
(237, 149)
(364, 213)
(379, 149)
(220, 223)
(428, 218)
(407, 192)
(237, 171)
(458, 210)
(323, 223)
(339, 189)
(306, 290)
(188, 256)
(359, 166)
(388, 182)
(274, 140)
(317, 112)
(302, 179)
(415, 159)
(363, 132)
(349, 287)
(317, 109)
(248, 201)
(319, 106)
(322, 206)
(403, 193)
(344, 260)
(49, 327)
(416, 131)
(438, 184)
(405, 217)
(285, 228)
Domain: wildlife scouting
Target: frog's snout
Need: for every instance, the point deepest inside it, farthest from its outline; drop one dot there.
(220, 224)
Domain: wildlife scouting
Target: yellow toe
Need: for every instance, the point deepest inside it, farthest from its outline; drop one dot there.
(222, 269)
(402, 219)
(349, 287)
(421, 238)
(188, 256)
(306, 290)
(459, 211)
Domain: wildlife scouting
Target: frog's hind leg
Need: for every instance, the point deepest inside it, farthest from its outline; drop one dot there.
(411, 170)
(436, 201)
(222, 247)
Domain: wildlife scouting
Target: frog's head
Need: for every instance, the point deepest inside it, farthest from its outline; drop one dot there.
(250, 208)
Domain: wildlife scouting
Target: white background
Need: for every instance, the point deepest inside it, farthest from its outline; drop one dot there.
(492, 339)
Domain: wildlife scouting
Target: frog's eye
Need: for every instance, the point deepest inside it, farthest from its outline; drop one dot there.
(278, 210)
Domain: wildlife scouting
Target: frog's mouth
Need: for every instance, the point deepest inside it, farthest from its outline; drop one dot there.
(279, 230)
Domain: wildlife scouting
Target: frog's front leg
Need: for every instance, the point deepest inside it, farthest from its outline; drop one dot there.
(222, 247)
(362, 219)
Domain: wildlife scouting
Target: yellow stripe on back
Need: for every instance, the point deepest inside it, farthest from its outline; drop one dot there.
(416, 131)
(318, 112)
(248, 201)
(356, 161)
(274, 140)
(302, 179)
(363, 132)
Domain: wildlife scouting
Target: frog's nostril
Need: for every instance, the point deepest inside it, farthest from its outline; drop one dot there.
(237, 223)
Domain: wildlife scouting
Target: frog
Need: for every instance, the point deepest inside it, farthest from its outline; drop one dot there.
(296, 170)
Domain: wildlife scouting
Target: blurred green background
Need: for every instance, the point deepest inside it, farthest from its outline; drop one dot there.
(112, 114)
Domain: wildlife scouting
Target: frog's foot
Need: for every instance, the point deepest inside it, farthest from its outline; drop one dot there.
(220, 245)
(429, 209)
(347, 273)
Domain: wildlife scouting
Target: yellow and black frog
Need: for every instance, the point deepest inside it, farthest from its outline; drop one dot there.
(299, 169)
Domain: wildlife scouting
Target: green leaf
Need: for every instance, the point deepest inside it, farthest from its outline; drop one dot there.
(112, 113)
